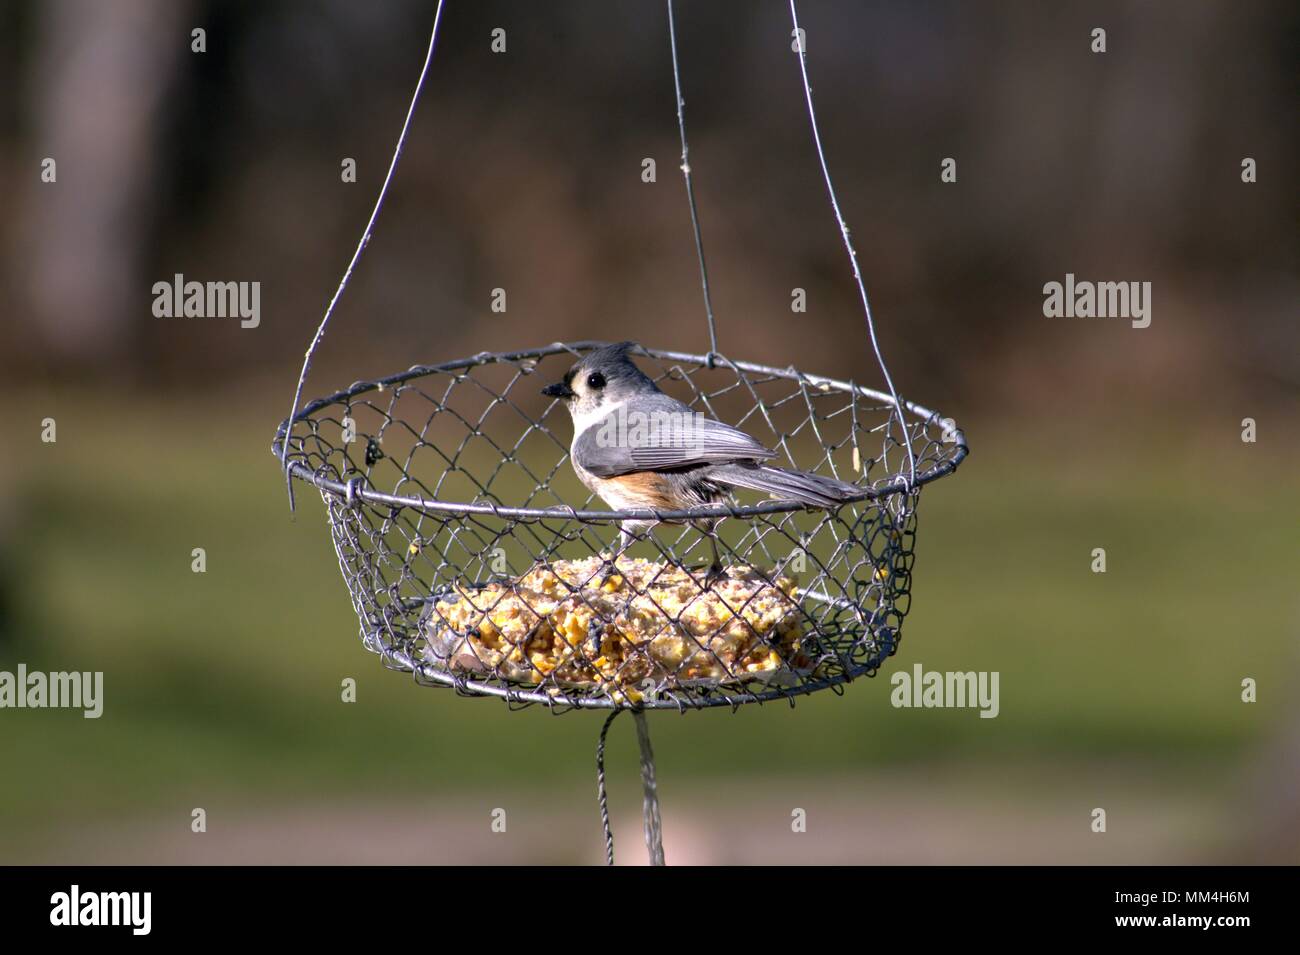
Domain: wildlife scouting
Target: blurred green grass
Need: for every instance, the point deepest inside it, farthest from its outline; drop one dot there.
(226, 685)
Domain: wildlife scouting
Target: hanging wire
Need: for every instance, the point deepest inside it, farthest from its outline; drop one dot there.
(365, 240)
(652, 821)
(601, 795)
(690, 188)
(653, 824)
(848, 243)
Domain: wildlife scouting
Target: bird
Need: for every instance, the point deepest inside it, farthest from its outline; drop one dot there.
(636, 447)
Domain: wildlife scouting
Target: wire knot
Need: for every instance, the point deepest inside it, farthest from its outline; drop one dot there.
(350, 497)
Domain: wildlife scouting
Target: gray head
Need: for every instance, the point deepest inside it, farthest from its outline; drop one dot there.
(603, 377)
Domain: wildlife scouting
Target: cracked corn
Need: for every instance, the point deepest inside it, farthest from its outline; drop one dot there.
(567, 623)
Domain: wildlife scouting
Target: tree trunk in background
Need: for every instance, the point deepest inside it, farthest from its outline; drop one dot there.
(100, 74)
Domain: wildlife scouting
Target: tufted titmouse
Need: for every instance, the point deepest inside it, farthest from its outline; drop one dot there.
(636, 447)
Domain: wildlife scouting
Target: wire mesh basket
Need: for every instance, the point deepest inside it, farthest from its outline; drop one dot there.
(476, 560)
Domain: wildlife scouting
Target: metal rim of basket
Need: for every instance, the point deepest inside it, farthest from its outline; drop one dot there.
(353, 492)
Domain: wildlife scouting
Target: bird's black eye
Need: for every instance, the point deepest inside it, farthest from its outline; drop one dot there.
(595, 380)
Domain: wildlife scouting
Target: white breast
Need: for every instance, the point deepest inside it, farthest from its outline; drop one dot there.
(606, 490)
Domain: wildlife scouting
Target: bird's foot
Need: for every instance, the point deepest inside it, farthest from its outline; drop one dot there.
(608, 572)
(595, 633)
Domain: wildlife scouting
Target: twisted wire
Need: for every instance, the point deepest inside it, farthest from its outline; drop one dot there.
(651, 821)
(601, 795)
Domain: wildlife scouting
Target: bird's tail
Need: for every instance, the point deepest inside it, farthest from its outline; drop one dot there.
(811, 489)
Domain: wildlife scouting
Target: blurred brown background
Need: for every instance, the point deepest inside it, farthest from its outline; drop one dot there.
(523, 171)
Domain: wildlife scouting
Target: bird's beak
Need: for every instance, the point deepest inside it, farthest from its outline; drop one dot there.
(558, 390)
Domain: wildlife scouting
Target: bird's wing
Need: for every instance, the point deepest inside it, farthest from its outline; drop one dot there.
(660, 434)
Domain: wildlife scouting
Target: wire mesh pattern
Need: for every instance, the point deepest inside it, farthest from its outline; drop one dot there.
(475, 559)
